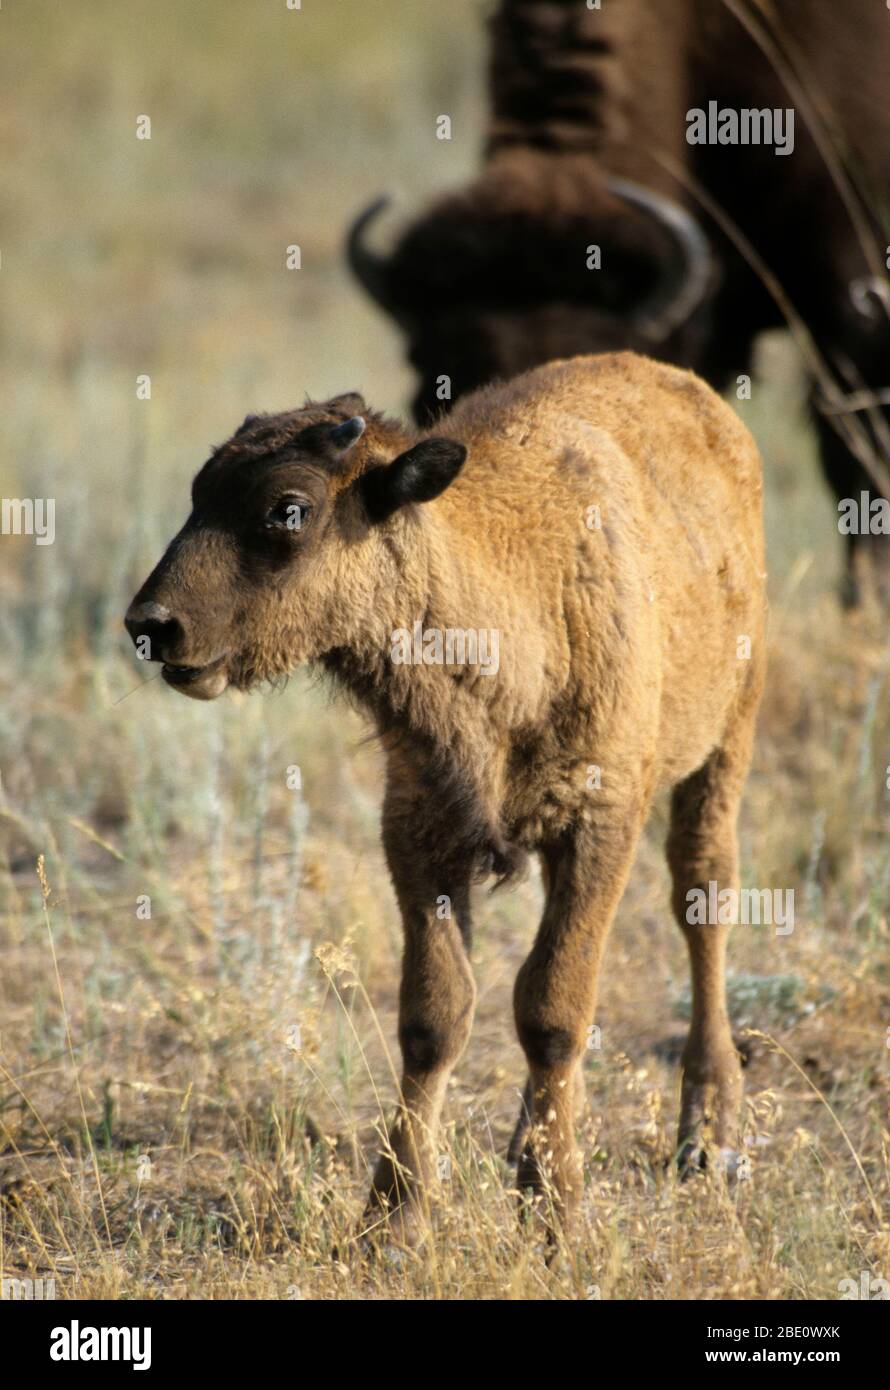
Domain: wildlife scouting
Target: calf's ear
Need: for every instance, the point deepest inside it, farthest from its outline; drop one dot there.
(418, 475)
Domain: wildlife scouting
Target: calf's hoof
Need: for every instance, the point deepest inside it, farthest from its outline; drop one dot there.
(390, 1233)
(395, 1213)
(693, 1158)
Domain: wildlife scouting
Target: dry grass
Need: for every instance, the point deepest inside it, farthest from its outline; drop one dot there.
(153, 1108)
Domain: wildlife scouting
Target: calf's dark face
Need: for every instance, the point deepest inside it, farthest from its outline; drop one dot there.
(282, 556)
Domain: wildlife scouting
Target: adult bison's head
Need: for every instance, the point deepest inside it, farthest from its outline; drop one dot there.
(542, 257)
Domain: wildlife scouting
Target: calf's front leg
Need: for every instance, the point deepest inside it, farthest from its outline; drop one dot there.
(436, 1003)
(555, 994)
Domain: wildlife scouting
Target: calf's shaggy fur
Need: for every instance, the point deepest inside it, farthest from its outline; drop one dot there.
(602, 517)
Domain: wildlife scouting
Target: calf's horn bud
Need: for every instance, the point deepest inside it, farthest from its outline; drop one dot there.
(344, 436)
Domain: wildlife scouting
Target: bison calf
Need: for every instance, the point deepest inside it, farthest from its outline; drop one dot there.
(552, 605)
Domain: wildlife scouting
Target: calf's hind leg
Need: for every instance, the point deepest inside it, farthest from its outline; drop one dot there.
(702, 848)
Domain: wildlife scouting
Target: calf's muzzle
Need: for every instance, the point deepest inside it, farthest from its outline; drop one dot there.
(154, 630)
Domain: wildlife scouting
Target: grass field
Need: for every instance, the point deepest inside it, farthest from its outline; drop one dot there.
(154, 1096)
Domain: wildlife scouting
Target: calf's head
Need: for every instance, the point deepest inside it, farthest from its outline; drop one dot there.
(287, 553)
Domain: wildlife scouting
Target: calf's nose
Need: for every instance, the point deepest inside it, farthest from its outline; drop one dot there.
(154, 622)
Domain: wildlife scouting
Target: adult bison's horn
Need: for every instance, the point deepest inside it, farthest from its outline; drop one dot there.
(869, 293)
(680, 291)
(369, 267)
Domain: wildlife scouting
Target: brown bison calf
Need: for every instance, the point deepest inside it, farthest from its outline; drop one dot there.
(551, 608)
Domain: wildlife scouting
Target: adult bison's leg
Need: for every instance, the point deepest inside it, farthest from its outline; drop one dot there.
(436, 1003)
(850, 321)
(555, 994)
(866, 552)
(702, 849)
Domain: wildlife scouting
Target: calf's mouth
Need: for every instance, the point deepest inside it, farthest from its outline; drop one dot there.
(200, 682)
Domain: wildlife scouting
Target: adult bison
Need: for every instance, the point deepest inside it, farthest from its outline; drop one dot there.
(587, 147)
(595, 526)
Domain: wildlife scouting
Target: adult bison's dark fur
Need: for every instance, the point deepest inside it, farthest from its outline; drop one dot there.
(587, 133)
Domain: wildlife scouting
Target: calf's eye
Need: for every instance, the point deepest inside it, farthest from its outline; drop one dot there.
(287, 514)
